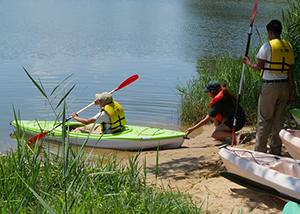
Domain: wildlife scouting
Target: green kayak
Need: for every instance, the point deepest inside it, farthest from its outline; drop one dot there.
(130, 138)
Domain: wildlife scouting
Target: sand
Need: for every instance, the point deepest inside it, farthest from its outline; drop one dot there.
(194, 169)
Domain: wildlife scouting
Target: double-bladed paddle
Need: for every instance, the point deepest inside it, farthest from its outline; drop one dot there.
(242, 77)
(126, 82)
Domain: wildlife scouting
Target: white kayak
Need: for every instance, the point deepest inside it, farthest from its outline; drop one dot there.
(280, 173)
(291, 140)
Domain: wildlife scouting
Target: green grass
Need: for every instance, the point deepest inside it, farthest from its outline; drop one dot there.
(40, 183)
(291, 22)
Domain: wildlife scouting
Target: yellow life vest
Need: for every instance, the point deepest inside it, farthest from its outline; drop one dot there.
(117, 116)
(282, 56)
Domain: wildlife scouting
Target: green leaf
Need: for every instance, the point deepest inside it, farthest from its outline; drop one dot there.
(62, 99)
(35, 83)
(60, 84)
(43, 203)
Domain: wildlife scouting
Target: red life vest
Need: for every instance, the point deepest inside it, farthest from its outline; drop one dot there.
(216, 99)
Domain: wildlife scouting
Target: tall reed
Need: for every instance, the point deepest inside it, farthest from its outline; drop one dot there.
(291, 32)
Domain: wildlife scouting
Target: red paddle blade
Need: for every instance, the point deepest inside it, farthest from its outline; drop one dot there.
(128, 81)
(37, 137)
(254, 13)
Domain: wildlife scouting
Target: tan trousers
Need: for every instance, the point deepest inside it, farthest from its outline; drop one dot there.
(271, 115)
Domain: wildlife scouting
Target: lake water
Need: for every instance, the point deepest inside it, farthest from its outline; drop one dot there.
(103, 42)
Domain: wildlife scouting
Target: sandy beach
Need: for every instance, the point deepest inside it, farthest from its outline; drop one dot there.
(194, 169)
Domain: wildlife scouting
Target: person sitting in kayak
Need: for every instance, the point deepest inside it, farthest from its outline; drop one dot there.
(111, 116)
(222, 111)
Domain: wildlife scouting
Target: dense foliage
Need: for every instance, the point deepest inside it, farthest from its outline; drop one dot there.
(291, 21)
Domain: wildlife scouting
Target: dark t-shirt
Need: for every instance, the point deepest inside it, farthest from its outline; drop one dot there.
(223, 108)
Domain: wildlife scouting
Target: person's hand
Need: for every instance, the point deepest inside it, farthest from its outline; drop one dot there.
(188, 131)
(74, 115)
(97, 102)
(246, 60)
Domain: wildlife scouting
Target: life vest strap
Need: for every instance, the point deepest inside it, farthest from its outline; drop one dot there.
(282, 69)
(118, 121)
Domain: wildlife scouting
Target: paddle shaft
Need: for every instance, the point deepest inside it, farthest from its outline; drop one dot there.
(243, 73)
(126, 82)
(122, 85)
(80, 111)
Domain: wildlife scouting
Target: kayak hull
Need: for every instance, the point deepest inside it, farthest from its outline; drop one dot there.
(130, 138)
(291, 141)
(280, 173)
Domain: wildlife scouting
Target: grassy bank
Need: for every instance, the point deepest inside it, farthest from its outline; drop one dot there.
(194, 104)
(73, 182)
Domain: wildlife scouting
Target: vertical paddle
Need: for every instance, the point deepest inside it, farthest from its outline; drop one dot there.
(126, 82)
(242, 76)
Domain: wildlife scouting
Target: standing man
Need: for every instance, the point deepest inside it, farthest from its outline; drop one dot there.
(275, 61)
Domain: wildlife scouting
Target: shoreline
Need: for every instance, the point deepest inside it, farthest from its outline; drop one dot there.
(194, 169)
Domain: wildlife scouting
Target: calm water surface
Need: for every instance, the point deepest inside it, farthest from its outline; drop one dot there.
(104, 42)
